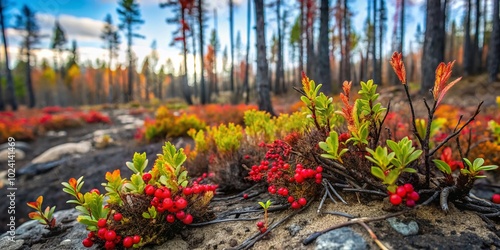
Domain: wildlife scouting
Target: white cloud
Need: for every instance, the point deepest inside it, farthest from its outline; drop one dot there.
(76, 28)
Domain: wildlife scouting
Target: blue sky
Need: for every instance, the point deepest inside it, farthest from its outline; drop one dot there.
(83, 20)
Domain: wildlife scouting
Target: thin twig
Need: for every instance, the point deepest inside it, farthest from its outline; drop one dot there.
(364, 191)
(221, 220)
(239, 195)
(443, 198)
(335, 192)
(321, 202)
(432, 198)
(340, 214)
(373, 236)
(410, 102)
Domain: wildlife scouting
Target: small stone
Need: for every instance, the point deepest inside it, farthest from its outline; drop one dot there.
(233, 242)
(66, 242)
(341, 239)
(406, 229)
(294, 229)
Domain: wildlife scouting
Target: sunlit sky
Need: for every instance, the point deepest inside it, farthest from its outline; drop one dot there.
(83, 22)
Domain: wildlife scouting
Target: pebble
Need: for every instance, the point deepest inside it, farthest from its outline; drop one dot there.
(406, 229)
(341, 239)
(5, 153)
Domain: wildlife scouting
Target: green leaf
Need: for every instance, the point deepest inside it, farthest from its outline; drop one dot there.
(478, 162)
(442, 166)
(468, 162)
(377, 172)
(262, 204)
(487, 168)
(410, 170)
(392, 177)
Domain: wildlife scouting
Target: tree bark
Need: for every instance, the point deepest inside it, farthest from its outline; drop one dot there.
(494, 50)
(324, 74)
(231, 34)
(433, 52)
(185, 86)
(247, 83)
(203, 90)
(468, 53)
(477, 55)
(264, 97)
(11, 96)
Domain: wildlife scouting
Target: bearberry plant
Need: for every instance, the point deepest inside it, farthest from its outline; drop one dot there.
(45, 217)
(148, 208)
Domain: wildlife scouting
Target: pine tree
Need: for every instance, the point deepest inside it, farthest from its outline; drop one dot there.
(264, 97)
(11, 97)
(130, 18)
(111, 40)
(27, 24)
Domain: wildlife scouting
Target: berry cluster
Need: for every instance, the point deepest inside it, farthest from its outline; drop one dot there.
(109, 236)
(175, 204)
(261, 226)
(405, 191)
(283, 177)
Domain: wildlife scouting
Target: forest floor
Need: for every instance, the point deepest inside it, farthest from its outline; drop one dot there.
(436, 230)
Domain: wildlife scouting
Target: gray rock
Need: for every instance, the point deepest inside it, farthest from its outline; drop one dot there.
(341, 239)
(406, 229)
(58, 151)
(7, 244)
(5, 153)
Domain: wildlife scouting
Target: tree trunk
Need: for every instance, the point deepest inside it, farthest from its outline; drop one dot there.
(381, 40)
(301, 44)
(29, 82)
(110, 74)
(468, 53)
(279, 64)
(130, 94)
(347, 44)
(310, 42)
(185, 86)
(203, 91)
(376, 73)
(264, 97)
(494, 48)
(247, 83)
(195, 76)
(402, 28)
(11, 96)
(324, 74)
(433, 52)
(477, 56)
(231, 34)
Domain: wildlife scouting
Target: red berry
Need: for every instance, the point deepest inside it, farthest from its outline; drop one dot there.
(110, 235)
(413, 196)
(263, 229)
(319, 169)
(87, 242)
(101, 233)
(91, 235)
(302, 201)
(290, 199)
(117, 217)
(102, 223)
(180, 215)
(260, 224)
(149, 190)
(181, 203)
(395, 199)
(298, 178)
(187, 191)
(271, 189)
(495, 198)
(401, 191)
(410, 203)
(109, 245)
(137, 239)
(196, 189)
(295, 205)
(245, 196)
(167, 203)
(170, 218)
(95, 190)
(284, 192)
(166, 193)
(159, 193)
(408, 187)
(146, 177)
(188, 220)
(128, 242)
